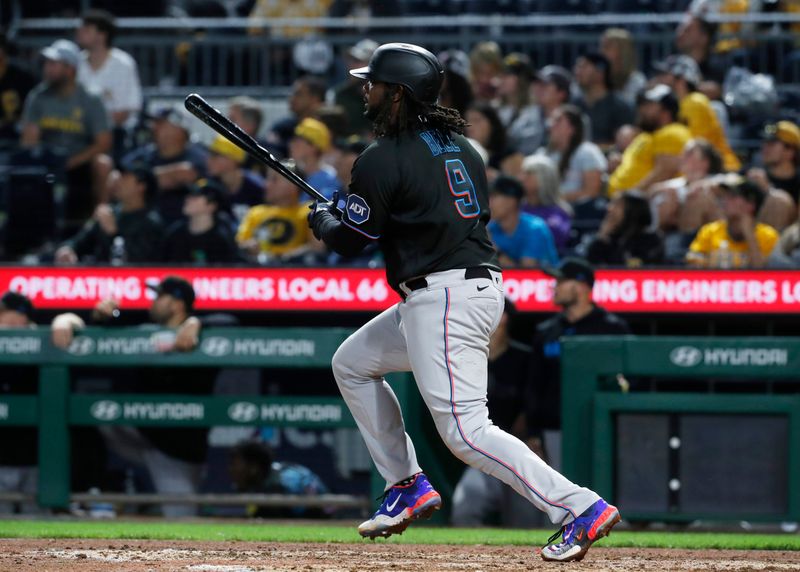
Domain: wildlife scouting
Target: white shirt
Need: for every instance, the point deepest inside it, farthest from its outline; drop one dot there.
(116, 81)
(587, 157)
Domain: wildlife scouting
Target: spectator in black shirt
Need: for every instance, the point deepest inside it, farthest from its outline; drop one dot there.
(606, 110)
(201, 238)
(625, 238)
(694, 37)
(307, 96)
(243, 188)
(579, 317)
(780, 153)
(478, 496)
(15, 83)
(246, 112)
(19, 450)
(176, 161)
(348, 94)
(130, 220)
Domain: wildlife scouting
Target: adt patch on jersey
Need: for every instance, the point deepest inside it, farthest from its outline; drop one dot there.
(357, 209)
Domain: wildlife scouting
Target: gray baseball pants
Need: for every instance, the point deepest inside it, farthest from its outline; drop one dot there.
(441, 334)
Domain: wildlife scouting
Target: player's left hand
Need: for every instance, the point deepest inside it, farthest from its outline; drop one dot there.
(318, 213)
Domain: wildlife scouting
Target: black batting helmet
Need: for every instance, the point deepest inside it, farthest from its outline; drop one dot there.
(411, 66)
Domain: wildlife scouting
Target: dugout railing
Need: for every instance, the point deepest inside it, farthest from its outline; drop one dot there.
(684, 429)
(56, 408)
(231, 56)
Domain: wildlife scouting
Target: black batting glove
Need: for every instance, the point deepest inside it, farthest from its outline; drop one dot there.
(320, 216)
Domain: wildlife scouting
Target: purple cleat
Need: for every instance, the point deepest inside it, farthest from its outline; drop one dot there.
(401, 505)
(576, 537)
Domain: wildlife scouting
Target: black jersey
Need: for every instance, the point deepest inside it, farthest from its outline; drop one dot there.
(424, 197)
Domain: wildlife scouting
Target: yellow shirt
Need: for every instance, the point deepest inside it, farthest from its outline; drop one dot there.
(697, 113)
(278, 230)
(640, 156)
(730, 32)
(298, 9)
(711, 235)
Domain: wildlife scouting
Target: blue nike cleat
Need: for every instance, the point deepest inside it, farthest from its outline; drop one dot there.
(576, 537)
(401, 505)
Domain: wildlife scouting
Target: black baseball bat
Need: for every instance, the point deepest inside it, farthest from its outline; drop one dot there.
(212, 117)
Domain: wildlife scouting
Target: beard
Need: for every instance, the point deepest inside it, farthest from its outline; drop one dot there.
(647, 125)
(383, 108)
(56, 83)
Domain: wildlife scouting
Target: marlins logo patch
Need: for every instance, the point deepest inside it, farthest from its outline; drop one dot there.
(357, 209)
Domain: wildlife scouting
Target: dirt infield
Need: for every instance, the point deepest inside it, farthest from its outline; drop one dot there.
(141, 556)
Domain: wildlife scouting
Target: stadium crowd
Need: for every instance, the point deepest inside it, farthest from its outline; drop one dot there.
(625, 163)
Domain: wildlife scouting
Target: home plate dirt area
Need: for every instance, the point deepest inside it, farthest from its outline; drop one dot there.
(140, 556)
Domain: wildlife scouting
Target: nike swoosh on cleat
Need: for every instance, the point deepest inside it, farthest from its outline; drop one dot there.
(390, 507)
(482, 289)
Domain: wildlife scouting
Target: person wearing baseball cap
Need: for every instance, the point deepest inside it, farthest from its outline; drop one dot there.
(606, 110)
(780, 153)
(348, 94)
(243, 188)
(128, 225)
(522, 240)
(737, 240)
(203, 237)
(551, 88)
(174, 158)
(172, 457)
(63, 117)
(683, 75)
(578, 316)
(654, 155)
(312, 139)
(16, 310)
(19, 452)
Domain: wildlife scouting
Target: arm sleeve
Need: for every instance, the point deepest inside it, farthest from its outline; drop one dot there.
(767, 238)
(131, 96)
(702, 242)
(96, 116)
(32, 111)
(540, 246)
(340, 237)
(670, 141)
(592, 159)
(367, 205)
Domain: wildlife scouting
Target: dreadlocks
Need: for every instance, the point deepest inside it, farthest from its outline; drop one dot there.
(413, 115)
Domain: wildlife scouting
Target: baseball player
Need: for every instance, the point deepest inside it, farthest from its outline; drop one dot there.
(420, 191)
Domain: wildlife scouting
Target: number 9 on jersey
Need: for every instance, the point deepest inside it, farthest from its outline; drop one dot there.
(461, 187)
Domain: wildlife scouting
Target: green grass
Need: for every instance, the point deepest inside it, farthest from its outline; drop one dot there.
(304, 532)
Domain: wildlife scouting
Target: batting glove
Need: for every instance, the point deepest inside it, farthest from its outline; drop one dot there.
(319, 215)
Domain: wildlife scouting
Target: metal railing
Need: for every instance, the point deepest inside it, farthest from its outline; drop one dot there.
(241, 55)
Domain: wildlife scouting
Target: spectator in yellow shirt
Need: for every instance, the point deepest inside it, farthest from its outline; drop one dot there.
(737, 240)
(296, 9)
(278, 230)
(683, 75)
(654, 155)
